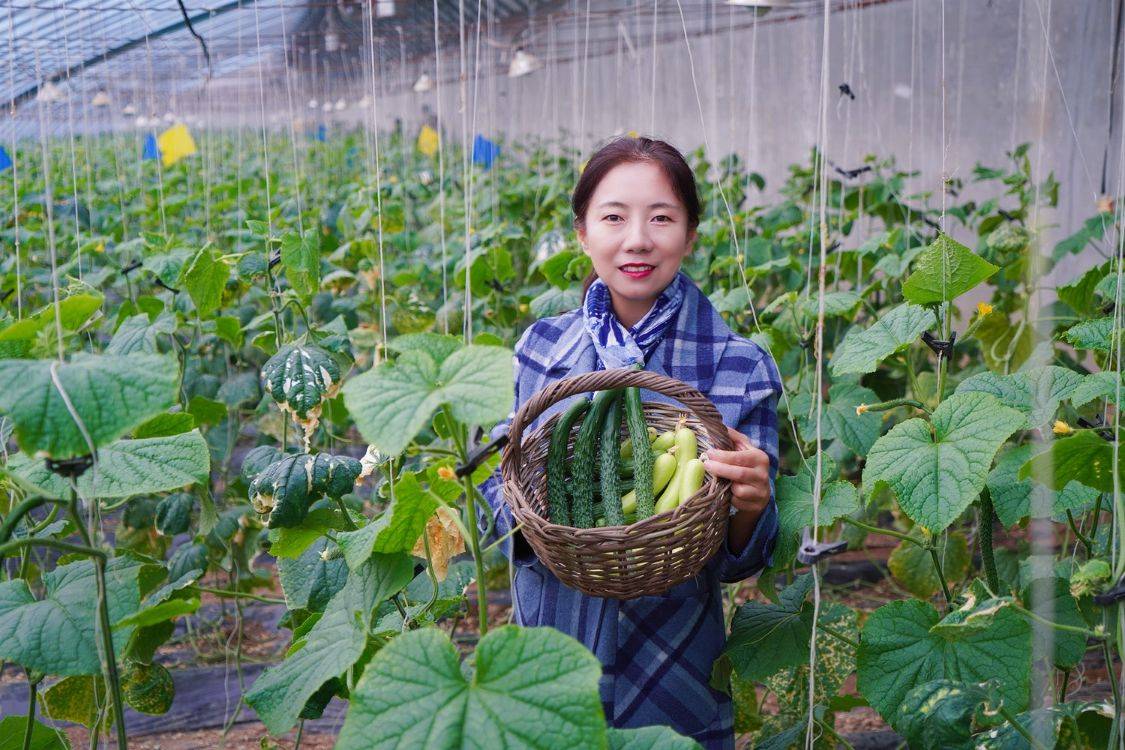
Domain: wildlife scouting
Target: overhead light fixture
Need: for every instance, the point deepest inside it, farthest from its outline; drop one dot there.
(101, 99)
(49, 93)
(141, 121)
(341, 105)
(385, 8)
(423, 84)
(169, 117)
(365, 101)
(129, 110)
(326, 107)
(523, 63)
(761, 3)
(313, 104)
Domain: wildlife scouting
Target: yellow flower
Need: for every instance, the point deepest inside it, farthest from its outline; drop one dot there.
(523, 307)
(861, 410)
(446, 473)
(983, 308)
(100, 248)
(1062, 428)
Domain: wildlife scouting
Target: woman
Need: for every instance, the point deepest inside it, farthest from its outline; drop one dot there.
(636, 210)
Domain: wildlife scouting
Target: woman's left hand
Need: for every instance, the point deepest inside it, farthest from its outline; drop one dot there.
(747, 468)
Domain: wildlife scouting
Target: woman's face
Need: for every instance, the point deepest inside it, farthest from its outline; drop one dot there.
(636, 233)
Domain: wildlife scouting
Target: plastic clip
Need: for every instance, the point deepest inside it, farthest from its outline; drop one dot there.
(846, 90)
(1111, 596)
(479, 454)
(812, 551)
(71, 468)
(938, 347)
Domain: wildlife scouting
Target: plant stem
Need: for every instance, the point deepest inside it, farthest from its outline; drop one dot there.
(1108, 656)
(880, 530)
(348, 522)
(8, 527)
(55, 543)
(1081, 537)
(1059, 625)
(1063, 686)
(105, 628)
(239, 595)
(943, 361)
(984, 521)
(940, 575)
(1011, 719)
(29, 727)
(471, 513)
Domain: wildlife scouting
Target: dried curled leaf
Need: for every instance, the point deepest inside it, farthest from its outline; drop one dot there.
(445, 541)
(300, 378)
(285, 489)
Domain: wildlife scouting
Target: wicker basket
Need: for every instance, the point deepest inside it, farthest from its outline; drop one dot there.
(645, 558)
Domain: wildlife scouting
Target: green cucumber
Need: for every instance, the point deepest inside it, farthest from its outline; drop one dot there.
(663, 469)
(627, 445)
(642, 460)
(685, 451)
(557, 504)
(692, 480)
(610, 456)
(582, 465)
(664, 441)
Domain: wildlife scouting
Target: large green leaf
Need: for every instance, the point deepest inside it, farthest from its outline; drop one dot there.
(310, 581)
(1051, 598)
(300, 255)
(204, 277)
(767, 637)
(944, 271)
(331, 647)
(1075, 725)
(861, 351)
(1098, 385)
(397, 529)
(1084, 457)
(125, 468)
(937, 468)
(43, 737)
(110, 394)
(938, 715)
(1091, 334)
(649, 738)
(393, 402)
(532, 688)
(1011, 496)
(138, 334)
(1036, 392)
(795, 505)
(913, 567)
(56, 635)
(839, 420)
(73, 312)
(900, 651)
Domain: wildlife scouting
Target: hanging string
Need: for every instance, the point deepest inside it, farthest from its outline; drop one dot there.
(262, 119)
(73, 161)
(15, 170)
(378, 189)
(467, 323)
(292, 132)
(438, 75)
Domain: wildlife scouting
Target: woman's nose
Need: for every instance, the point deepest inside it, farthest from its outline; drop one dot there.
(638, 238)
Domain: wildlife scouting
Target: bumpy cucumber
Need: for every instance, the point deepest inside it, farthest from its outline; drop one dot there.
(557, 504)
(642, 460)
(585, 450)
(663, 469)
(627, 446)
(609, 455)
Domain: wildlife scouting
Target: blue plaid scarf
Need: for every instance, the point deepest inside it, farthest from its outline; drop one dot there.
(621, 347)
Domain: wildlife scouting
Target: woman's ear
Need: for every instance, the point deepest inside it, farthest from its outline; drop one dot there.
(581, 238)
(690, 244)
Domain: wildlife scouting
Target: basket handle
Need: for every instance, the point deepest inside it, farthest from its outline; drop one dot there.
(601, 380)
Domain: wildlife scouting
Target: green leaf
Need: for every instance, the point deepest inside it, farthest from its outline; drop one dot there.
(166, 610)
(332, 646)
(944, 271)
(1080, 293)
(392, 403)
(125, 468)
(1084, 457)
(73, 312)
(899, 651)
(1051, 598)
(300, 254)
(291, 542)
(795, 505)
(839, 420)
(1091, 334)
(206, 411)
(77, 699)
(163, 425)
(310, 581)
(299, 378)
(204, 277)
(1011, 496)
(110, 394)
(938, 715)
(767, 637)
(862, 350)
(835, 304)
(1098, 385)
(55, 634)
(1075, 724)
(43, 737)
(437, 345)
(938, 468)
(649, 738)
(229, 329)
(138, 335)
(1036, 392)
(397, 529)
(147, 688)
(532, 688)
(913, 567)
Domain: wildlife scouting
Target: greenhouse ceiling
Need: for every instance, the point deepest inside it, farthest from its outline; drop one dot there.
(142, 54)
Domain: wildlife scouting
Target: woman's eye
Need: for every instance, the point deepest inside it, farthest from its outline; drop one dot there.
(662, 218)
(612, 217)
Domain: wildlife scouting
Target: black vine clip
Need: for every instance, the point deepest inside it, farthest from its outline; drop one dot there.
(1111, 596)
(171, 289)
(275, 258)
(126, 270)
(479, 454)
(72, 468)
(941, 348)
(811, 551)
(846, 90)
(5, 295)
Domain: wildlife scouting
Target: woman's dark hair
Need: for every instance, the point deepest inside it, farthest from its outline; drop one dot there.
(626, 150)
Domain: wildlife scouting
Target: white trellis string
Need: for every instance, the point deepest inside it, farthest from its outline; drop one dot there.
(378, 186)
(438, 74)
(15, 170)
(289, 112)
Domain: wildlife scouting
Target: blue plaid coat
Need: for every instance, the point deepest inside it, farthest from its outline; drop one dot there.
(656, 651)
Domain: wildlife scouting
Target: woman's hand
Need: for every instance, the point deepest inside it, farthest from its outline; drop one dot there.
(748, 469)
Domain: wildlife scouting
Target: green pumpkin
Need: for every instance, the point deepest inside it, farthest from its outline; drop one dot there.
(173, 515)
(285, 490)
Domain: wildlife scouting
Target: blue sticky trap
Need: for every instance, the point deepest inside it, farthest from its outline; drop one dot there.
(150, 151)
(484, 151)
(322, 132)
(5, 160)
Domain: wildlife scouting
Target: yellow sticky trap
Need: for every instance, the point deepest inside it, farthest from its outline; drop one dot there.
(428, 141)
(633, 134)
(175, 143)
